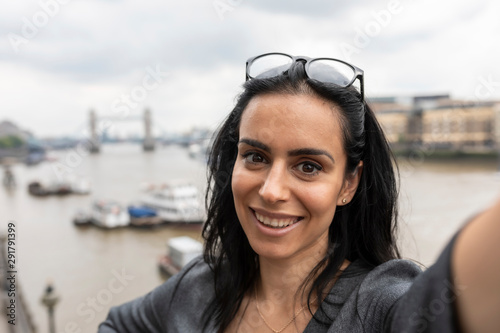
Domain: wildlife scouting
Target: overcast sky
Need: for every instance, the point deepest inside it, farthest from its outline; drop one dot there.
(185, 59)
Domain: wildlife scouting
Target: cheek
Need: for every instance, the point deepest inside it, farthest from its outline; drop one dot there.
(321, 200)
(240, 184)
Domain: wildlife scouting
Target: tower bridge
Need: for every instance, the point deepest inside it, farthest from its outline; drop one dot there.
(148, 142)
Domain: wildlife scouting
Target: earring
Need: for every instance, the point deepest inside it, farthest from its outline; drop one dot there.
(344, 200)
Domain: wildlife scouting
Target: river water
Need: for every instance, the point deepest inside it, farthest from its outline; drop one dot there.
(93, 269)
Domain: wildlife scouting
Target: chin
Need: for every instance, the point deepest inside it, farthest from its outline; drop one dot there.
(271, 251)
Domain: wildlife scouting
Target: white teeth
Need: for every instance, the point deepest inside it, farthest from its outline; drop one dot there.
(275, 223)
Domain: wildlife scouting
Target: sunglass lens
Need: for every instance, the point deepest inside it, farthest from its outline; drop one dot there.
(269, 66)
(326, 70)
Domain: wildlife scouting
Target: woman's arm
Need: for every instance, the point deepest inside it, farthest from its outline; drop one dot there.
(476, 272)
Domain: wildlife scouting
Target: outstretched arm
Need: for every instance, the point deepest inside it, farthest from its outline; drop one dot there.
(476, 272)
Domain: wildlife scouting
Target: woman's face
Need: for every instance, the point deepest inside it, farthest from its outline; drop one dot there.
(289, 175)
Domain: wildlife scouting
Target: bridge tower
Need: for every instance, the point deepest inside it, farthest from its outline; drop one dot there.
(149, 141)
(94, 137)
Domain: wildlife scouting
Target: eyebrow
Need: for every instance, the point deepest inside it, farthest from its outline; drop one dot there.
(295, 152)
(311, 151)
(256, 144)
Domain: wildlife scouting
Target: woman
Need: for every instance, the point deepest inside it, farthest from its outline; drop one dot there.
(301, 220)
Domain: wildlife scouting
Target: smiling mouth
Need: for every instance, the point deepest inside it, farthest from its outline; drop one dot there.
(276, 223)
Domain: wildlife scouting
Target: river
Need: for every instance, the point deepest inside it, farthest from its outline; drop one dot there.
(93, 269)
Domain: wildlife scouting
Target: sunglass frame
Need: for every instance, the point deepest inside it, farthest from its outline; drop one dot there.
(358, 72)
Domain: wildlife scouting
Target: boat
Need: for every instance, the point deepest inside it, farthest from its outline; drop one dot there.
(143, 216)
(38, 189)
(63, 187)
(79, 185)
(35, 157)
(82, 218)
(166, 266)
(199, 150)
(176, 203)
(109, 214)
(181, 250)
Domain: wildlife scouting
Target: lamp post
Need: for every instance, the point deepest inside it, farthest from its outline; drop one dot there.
(50, 299)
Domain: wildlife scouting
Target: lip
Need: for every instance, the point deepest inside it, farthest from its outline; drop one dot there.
(274, 232)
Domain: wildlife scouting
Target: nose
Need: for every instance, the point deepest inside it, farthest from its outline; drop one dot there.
(275, 187)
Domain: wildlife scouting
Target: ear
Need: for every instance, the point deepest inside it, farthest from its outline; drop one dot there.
(350, 185)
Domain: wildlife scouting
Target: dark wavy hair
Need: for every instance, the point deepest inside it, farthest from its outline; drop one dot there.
(363, 229)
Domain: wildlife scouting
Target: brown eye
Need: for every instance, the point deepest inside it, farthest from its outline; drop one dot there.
(254, 158)
(309, 168)
(257, 158)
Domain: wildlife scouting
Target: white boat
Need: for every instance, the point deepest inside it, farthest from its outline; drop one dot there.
(179, 202)
(181, 250)
(109, 214)
(80, 185)
(82, 218)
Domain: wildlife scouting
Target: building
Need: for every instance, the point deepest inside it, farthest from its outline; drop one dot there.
(13, 141)
(440, 122)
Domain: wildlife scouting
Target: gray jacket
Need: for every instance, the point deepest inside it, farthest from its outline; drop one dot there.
(393, 297)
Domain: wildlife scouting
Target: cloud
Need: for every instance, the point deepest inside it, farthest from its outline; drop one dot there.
(91, 52)
(313, 9)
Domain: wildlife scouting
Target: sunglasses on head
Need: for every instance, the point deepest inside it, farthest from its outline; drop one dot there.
(328, 70)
